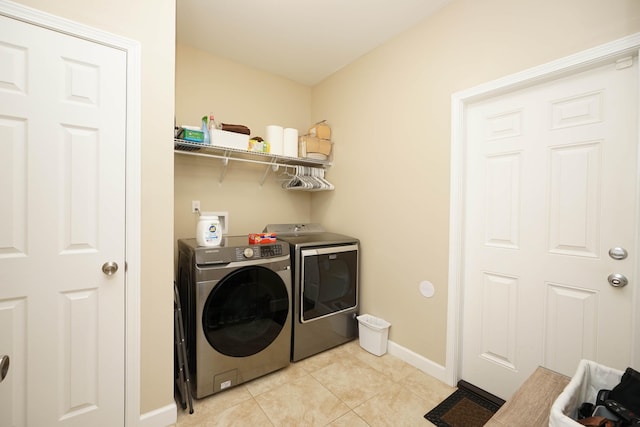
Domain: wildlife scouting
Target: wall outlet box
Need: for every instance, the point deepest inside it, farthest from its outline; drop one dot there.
(223, 217)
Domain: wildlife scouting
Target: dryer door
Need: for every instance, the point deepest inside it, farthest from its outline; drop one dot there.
(245, 311)
(328, 281)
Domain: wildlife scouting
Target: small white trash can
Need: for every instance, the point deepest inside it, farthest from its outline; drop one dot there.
(373, 333)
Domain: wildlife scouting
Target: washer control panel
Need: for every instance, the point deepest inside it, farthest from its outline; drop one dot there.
(270, 250)
(234, 249)
(259, 251)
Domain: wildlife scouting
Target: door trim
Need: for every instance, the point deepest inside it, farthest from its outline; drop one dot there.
(591, 58)
(132, 197)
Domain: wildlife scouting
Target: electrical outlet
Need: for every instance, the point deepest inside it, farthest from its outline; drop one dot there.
(195, 206)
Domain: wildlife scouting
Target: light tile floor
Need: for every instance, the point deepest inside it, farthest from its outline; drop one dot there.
(344, 386)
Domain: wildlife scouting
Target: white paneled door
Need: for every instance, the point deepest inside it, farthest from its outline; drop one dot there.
(551, 188)
(62, 213)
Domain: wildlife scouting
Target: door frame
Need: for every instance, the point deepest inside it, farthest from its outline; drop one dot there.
(132, 182)
(591, 58)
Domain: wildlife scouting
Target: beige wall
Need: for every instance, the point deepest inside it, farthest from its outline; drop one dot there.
(390, 113)
(241, 95)
(152, 23)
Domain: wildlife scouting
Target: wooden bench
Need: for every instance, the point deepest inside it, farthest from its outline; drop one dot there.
(531, 403)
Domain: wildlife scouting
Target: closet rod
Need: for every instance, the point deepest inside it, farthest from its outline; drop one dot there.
(236, 159)
(225, 161)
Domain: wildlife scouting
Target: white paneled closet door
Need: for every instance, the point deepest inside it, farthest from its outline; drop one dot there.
(62, 218)
(551, 188)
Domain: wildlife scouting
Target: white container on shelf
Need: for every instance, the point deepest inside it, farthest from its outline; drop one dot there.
(223, 138)
(373, 333)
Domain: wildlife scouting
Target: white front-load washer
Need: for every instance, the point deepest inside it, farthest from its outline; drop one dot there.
(236, 307)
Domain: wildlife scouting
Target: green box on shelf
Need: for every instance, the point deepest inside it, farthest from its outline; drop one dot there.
(193, 135)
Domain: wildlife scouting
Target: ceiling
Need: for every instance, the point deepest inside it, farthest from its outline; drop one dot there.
(302, 40)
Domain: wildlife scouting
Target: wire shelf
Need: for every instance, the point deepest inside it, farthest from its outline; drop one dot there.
(272, 161)
(197, 148)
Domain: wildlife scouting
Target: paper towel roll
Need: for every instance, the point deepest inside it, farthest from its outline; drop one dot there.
(291, 142)
(275, 137)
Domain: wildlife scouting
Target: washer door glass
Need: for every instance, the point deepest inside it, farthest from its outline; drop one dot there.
(245, 311)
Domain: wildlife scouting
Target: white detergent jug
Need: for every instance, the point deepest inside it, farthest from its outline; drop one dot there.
(208, 231)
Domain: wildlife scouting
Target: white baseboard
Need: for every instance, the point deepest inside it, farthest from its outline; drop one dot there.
(161, 417)
(414, 359)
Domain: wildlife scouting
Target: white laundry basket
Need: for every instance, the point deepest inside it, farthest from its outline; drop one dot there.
(589, 379)
(373, 333)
